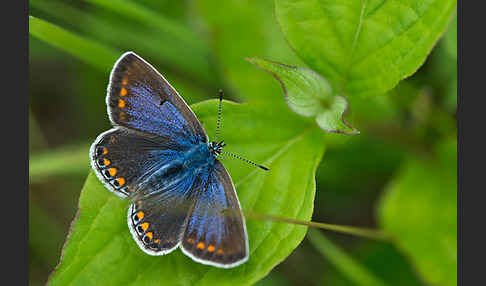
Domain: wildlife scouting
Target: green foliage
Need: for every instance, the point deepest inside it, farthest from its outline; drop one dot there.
(380, 259)
(185, 51)
(360, 48)
(66, 161)
(241, 29)
(419, 208)
(100, 248)
(363, 47)
(87, 50)
(346, 264)
(309, 94)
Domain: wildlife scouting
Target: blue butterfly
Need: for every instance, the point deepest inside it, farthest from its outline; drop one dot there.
(159, 155)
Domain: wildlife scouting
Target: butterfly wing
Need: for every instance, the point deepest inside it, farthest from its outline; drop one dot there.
(121, 158)
(157, 222)
(140, 98)
(215, 233)
(153, 123)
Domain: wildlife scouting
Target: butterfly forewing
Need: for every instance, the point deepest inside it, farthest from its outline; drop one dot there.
(121, 158)
(215, 232)
(140, 98)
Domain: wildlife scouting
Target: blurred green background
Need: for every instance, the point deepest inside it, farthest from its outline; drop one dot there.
(400, 170)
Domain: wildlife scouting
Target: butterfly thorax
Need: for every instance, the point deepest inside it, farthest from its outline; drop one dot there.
(198, 156)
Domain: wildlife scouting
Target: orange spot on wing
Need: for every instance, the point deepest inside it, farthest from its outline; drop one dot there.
(105, 151)
(220, 251)
(125, 81)
(211, 248)
(123, 91)
(121, 181)
(112, 171)
(140, 215)
(121, 103)
(157, 240)
(131, 189)
(145, 226)
(191, 240)
(150, 235)
(106, 162)
(200, 245)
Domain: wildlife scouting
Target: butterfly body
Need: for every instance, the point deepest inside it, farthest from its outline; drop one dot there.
(186, 164)
(158, 155)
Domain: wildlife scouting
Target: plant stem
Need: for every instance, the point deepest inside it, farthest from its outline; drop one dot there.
(358, 231)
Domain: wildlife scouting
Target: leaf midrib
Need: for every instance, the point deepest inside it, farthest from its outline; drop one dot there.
(284, 148)
(355, 41)
(368, 55)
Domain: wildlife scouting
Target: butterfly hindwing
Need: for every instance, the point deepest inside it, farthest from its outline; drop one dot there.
(215, 233)
(140, 98)
(157, 222)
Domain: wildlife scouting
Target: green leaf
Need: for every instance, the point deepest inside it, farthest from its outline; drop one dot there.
(450, 38)
(158, 36)
(86, 50)
(131, 9)
(343, 262)
(309, 94)
(68, 160)
(450, 43)
(185, 58)
(364, 47)
(420, 208)
(397, 271)
(240, 29)
(100, 249)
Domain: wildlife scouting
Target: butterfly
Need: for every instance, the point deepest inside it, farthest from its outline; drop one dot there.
(159, 156)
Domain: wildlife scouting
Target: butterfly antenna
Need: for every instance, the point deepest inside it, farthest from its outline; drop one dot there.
(218, 124)
(243, 159)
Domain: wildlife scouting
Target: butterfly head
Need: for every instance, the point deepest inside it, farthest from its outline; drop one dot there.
(216, 147)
